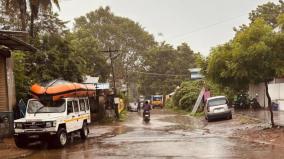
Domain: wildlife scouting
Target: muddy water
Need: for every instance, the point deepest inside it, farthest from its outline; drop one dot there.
(168, 135)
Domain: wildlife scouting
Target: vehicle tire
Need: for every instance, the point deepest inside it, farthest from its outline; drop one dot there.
(21, 141)
(230, 116)
(208, 119)
(84, 132)
(61, 138)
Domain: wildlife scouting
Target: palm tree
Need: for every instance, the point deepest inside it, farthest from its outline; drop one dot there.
(39, 5)
(35, 6)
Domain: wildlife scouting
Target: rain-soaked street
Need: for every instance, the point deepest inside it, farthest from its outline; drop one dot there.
(168, 135)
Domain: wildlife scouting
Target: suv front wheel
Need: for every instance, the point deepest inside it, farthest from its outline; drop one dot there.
(84, 132)
(61, 138)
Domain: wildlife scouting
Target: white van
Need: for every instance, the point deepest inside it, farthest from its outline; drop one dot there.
(53, 121)
(217, 107)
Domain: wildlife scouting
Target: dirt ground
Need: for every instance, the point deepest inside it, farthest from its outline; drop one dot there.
(262, 134)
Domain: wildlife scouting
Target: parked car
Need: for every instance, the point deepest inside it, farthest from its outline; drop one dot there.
(217, 107)
(133, 106)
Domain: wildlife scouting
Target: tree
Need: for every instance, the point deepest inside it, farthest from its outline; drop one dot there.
(170, 67)
(222, 69)
(123, 34)
(269, 12)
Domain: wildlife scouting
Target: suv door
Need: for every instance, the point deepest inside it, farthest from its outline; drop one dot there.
(70, 121)
(82, 112)
(77, 115)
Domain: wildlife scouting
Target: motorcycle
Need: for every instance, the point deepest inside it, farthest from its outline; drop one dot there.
(146, 116)
(254, 103)
(241, 102)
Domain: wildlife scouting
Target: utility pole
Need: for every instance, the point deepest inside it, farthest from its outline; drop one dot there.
(111, 57)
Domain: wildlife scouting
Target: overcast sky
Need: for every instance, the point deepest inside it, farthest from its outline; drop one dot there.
(202, 24)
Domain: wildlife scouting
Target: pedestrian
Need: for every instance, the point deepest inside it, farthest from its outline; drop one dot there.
(138, 106)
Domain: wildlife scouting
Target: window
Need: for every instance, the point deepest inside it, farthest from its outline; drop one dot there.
(87, 104)
(76, 106)
(69, 107)
(218, 101)
(82, 105)
(35, 106)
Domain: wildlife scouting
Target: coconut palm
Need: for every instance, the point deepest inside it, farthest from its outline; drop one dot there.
(34, 6)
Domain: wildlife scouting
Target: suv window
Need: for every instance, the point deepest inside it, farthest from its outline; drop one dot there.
(87, 104)
(69, 107)
(218, 101)
(76, 106)
(82, 105)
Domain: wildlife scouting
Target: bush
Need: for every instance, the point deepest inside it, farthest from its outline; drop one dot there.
(169, 103)
(185, 97)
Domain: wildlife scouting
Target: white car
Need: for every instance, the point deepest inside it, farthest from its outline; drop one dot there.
(133, 107)
(53, 121)
(217, 107)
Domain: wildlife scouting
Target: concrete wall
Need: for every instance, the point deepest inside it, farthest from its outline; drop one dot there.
(275, 88)
(260, 90)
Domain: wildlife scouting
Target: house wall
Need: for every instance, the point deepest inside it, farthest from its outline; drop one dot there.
(3, 85)
(7, 96)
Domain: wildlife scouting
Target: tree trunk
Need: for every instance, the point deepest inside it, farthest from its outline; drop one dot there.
(32, 27)
(23, 11)
(269, 104)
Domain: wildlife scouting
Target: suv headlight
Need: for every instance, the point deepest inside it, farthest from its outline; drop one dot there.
(48, 124)
(19, 125)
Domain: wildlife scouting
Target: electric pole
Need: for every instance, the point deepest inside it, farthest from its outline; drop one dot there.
(112, 57)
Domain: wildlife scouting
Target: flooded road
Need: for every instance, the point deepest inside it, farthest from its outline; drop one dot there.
(168, 135)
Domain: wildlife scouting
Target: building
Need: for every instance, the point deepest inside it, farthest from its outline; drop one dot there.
(195, 73)
(9, 41)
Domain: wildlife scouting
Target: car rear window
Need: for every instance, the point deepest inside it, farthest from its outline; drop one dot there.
(218, 101)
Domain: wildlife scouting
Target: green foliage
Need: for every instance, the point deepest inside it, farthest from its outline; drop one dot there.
(169, 103)
(187, 94)
(251, 57)
(269, 12)
(22, 83)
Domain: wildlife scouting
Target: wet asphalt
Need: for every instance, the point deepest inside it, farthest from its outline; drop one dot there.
(168, 135)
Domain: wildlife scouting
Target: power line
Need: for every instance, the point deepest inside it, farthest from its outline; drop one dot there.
(206, 27)
(160, 74)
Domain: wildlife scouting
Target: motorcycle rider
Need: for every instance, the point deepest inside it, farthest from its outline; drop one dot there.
(146, 107)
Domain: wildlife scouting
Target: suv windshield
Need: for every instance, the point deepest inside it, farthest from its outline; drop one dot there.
(35, 106)
(157, 98)
(218, 101)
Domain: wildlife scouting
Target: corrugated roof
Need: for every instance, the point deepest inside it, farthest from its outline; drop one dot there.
(12, 42)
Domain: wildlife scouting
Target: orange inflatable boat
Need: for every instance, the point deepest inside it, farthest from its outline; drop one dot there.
(58, 89)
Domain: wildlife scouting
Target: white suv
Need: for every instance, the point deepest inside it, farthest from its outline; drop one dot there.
(217, 107)
(53, 121)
